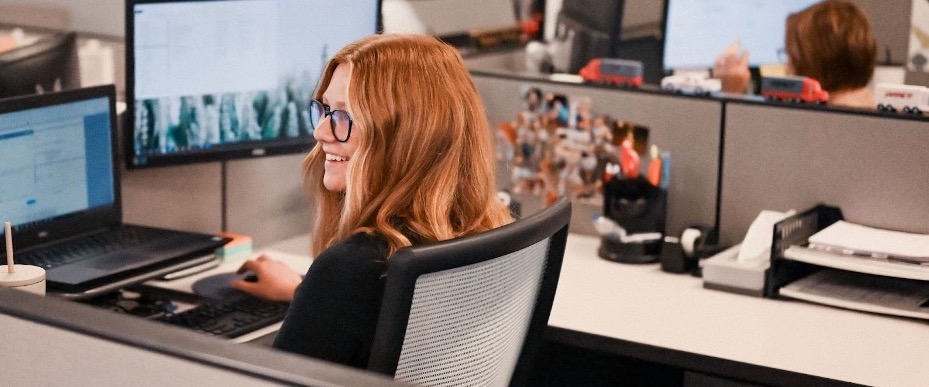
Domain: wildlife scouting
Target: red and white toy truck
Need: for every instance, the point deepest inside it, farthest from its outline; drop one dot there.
(793, 88)
(908, 99)
(615, 71)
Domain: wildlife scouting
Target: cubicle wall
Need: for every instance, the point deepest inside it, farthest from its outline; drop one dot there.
(264, 197)
(874, 167)
(687, 127)
(183, 197)
(50, 342)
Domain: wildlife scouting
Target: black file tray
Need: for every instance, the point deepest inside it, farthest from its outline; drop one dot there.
(794, 231)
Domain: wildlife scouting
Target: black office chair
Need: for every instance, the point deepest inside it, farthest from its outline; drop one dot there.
(472, 310)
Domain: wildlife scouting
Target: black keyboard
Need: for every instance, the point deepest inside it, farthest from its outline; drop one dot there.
(93, 245)
(230, 317)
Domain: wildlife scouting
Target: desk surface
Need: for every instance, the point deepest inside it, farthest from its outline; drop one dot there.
(641, 304)
(643, 312)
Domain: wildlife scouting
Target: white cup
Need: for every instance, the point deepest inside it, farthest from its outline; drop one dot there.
(25, 277)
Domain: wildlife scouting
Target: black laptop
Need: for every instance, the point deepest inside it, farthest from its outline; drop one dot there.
(60, 187)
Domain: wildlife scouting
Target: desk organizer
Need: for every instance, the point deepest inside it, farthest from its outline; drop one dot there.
(869, 282)
(638, 207)
(794, 231)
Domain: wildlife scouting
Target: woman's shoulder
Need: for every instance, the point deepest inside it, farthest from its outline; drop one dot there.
(357, 247)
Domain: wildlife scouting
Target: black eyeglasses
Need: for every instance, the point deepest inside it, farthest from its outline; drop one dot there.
(340, 122)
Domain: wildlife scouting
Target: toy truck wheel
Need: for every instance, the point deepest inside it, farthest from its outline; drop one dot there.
(907, 110)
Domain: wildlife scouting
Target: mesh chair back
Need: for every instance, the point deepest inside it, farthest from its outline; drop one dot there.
(471, 311)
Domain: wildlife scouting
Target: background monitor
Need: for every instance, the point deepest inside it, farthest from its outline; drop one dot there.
(696, 31)
(49, 64)
(213, 80)
(587, 29)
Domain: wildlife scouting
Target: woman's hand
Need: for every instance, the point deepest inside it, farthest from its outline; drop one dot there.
(276, 281)
(731, 67)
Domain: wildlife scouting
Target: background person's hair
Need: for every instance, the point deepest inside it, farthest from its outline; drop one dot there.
(424, 167)
(832, 42)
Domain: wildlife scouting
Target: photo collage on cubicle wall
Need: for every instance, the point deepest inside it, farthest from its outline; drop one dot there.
(561, 145)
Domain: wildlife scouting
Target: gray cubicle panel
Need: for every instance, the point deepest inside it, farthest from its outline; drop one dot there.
(872, 166)
(687, 127)
(187, 197)
(265, 198)
(49, 342)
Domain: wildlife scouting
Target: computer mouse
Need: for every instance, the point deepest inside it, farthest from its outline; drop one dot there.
(249, 276)
(217, 286)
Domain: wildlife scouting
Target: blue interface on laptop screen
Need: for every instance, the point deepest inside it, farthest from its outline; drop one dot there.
(55, 160)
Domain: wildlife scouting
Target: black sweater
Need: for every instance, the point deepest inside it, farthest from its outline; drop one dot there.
(335, 309)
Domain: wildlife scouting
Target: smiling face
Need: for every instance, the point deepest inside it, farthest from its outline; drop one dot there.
(338, 154)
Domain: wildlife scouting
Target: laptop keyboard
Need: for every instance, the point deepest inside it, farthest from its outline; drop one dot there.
(93, 245)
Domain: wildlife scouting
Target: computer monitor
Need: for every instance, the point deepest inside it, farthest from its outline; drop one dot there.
(49, 64)
(588, 29)
(213, 80)
(696, 31)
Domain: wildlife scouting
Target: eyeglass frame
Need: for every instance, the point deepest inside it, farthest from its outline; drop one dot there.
(328, 112)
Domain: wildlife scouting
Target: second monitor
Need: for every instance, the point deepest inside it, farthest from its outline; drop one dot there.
(696, 31)
(214, 80)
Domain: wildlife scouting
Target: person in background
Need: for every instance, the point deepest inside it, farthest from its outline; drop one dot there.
(830, 41)
(401, 159)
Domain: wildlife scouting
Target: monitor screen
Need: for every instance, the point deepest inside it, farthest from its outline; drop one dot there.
(222, 79)
(55, 157)
(49, 64)
(696, 31)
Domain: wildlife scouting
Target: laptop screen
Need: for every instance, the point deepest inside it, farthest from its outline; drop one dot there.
(56, 160)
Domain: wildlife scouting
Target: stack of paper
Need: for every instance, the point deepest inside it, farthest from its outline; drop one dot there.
(854, 239)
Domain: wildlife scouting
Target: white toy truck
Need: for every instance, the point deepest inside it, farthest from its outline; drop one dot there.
(904, 98)
(691, 84)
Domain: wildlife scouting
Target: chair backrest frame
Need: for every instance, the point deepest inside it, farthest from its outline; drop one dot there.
(407, 264)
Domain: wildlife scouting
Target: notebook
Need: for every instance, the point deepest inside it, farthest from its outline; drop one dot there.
(60, 187)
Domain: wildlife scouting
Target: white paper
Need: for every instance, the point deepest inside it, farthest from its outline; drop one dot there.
(850, 238)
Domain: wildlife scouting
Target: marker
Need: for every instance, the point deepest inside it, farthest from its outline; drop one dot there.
(654, 166)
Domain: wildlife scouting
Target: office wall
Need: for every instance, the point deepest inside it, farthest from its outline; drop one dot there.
(687, 127)
(778, 158)
(94, 16)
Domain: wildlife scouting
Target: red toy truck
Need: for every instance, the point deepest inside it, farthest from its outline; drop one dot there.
(793, 88)
(614, 71)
